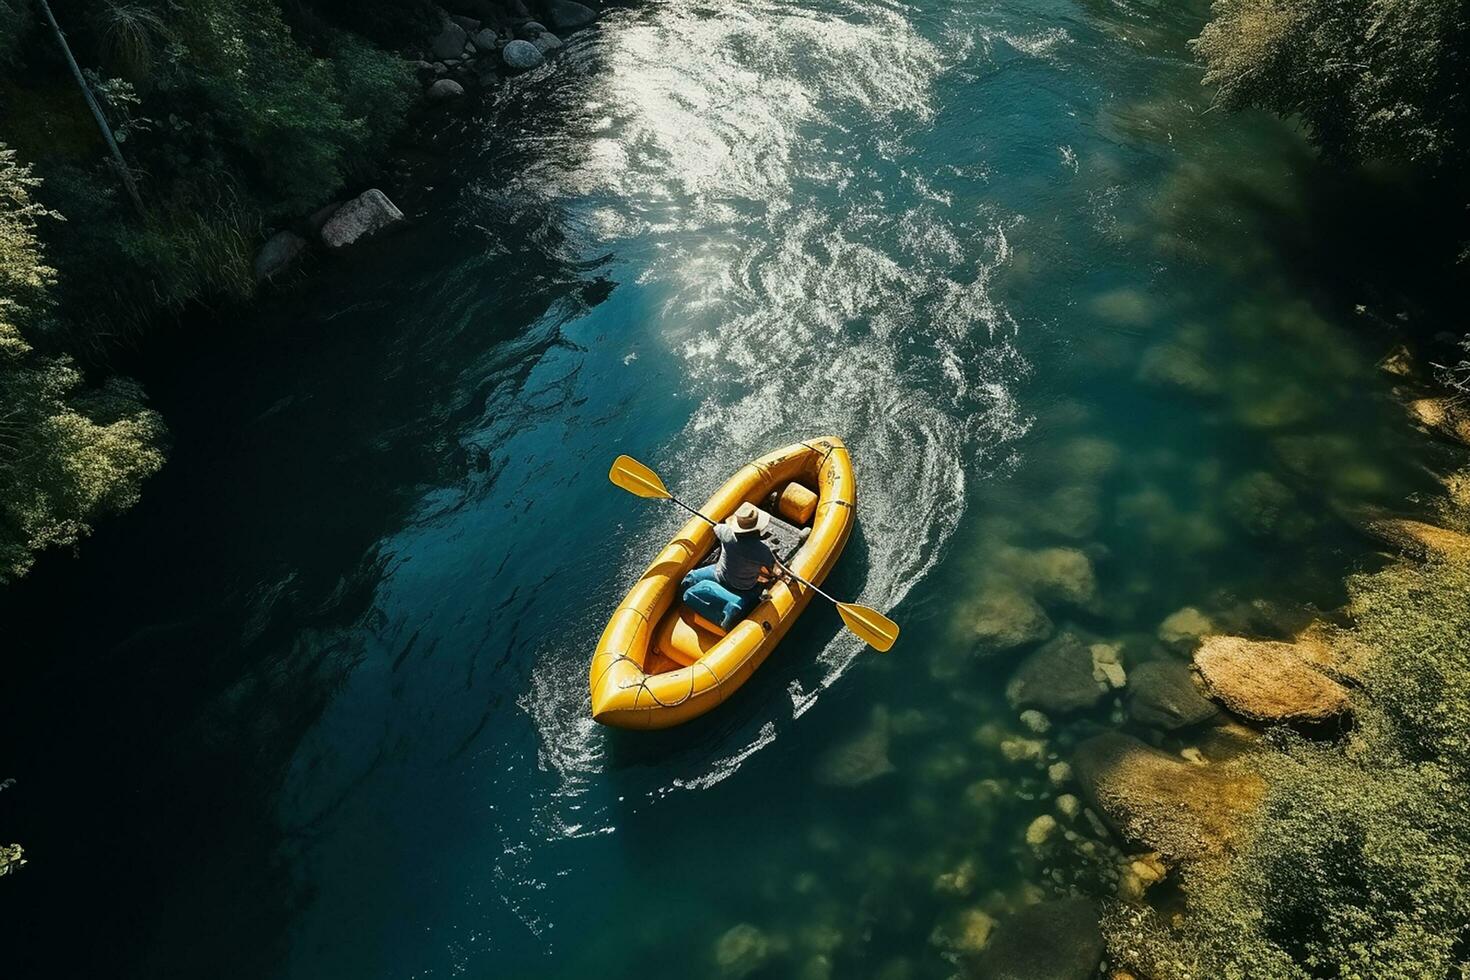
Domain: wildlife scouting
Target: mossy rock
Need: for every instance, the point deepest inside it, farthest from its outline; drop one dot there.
(1057, 940)
(1150, 797)
(1057, 678)
(1162, 694)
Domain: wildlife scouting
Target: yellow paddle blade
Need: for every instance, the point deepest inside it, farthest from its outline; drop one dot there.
(876, 629)
(637, 479)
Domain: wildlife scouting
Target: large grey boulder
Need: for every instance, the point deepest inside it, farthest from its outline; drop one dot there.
(445, 89)
(522, 55)
(278, 254)
(546, 42)
(366, 214)
(449, 42)
(1057, 940)
(567, 15)
(1162, 694)
(486, 40)
(530, 30)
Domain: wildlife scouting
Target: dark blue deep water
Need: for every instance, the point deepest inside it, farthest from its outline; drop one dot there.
(317, 708)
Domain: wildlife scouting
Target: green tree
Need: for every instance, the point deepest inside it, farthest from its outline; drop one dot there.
(1371, 79)
(67, 452)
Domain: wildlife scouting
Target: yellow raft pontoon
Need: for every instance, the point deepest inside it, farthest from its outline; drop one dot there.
(659, 663)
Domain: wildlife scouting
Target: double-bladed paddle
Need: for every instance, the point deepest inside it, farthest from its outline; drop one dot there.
(875, 629)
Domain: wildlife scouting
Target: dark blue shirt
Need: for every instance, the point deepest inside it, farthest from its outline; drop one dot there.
(742, 556)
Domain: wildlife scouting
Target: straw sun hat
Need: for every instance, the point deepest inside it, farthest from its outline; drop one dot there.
(748, 519)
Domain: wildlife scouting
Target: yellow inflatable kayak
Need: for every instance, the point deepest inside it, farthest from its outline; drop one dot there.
(659, 663)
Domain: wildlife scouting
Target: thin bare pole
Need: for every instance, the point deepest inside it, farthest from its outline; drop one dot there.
(118, 163)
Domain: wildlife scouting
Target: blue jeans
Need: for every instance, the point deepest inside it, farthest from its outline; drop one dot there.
(717, 601)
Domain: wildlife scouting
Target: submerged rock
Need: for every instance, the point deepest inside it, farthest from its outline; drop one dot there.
(278, 254)
(1163, 694)
(741, 951)
(1088, 458)
(1107, 668)
(566, 15)
(1181, 630)
(1420, 539)
(1262, 505)
(1006, 618)
(444, 90)
(1057, 940)
(450, 41)
(522, 55)
(1069, 806)
(959, 882)
(366, 214)
(1057, 678)
(1129, 307)
(546, 42)
(1267, 680)
(1180, 810)
(1039, 831)
(1175, 366)
(860, 760)
(1035, 721)
(966, 934)
(1060, 573)
(1072, 512)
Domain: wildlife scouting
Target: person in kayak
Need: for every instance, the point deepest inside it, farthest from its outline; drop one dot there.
(730, 587)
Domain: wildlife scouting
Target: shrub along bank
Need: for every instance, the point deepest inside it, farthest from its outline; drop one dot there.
(234, 117)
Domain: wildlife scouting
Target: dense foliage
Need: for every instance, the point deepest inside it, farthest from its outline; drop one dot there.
(234, 115)
(1371, 79)
(1359, 863)
(67, 452)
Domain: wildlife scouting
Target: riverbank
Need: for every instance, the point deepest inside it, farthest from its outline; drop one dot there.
(1347, 847)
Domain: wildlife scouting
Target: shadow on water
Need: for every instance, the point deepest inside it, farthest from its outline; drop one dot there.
(149, 731)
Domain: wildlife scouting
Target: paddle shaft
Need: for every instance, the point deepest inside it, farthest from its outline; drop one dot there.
(784, 567)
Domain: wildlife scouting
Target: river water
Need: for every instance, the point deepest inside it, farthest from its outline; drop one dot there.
(318, 706)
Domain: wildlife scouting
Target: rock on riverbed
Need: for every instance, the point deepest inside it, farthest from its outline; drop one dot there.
(1267, 680)
(1163, 694)
(522, 55)
(1048, 941)
(1057, 678)
(366, 214)
(566, 15)
(278, 254)
(1181, 810)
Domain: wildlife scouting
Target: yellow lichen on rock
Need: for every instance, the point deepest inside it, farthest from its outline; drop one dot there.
(1420, 539)
(1182, 811)
(1268, 681)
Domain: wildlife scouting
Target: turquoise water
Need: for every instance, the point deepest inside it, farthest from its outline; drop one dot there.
(318, 708)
